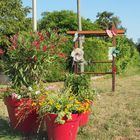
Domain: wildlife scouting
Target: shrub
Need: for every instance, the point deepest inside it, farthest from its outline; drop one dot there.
(29, 56)
(96, 50)
(128, 54)
(80, 86)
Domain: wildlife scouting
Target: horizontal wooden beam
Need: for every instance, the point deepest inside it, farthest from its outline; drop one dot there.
(94, 33)
(94, 72)
(108, 61)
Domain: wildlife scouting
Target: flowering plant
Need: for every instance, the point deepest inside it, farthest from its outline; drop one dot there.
(29, 55)
(81, 88)
(45, 100)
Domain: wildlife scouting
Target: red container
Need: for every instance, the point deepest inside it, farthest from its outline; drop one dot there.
(29, 124)
(66, 131)
(84, 119)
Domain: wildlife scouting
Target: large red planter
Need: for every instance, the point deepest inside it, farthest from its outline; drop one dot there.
(85, 116)
(29, 124)
(66, 131)
(84, 119)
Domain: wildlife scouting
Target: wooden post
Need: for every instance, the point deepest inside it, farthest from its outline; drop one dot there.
(113, 66)
(80, 29)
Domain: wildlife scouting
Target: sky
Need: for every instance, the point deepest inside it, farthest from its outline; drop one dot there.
(127, 10)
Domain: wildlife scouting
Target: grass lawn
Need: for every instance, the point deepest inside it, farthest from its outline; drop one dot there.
(116, 116)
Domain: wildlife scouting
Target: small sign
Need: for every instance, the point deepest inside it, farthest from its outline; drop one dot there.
(110, 52)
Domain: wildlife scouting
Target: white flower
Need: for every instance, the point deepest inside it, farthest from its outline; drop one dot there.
(78, 55)
(30, 89)
(19, 97)
(37, 92)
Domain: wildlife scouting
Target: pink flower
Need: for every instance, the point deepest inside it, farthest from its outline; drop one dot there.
(44, 48)
(61, 55)
(14, 96)
(52, 46)
(35, 43)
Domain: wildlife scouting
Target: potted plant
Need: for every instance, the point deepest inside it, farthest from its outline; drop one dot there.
(83, 92)
(26, 62)
(61, 112)
(17, 104)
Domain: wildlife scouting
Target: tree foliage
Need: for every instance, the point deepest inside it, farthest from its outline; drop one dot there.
(128, 55)
(106, 19)
(13, 17)
(63, 20)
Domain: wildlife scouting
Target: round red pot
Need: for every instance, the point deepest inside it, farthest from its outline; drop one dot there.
(66, 131)
(29, 124)
(84, 119)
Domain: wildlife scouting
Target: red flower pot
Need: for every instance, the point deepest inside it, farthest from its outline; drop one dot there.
(29, 124)
(84, 119)
(66, 131)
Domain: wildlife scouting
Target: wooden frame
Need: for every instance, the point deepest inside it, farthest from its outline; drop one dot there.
(98, 34)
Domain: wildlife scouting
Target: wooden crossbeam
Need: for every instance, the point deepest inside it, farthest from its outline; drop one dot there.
(93, 62)
(94, 72)
(94, 33)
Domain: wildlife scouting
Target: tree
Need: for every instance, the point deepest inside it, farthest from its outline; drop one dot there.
(63, 20)
(13, 17)
(106, 19)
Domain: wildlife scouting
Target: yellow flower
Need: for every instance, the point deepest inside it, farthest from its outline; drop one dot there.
(40, 104)
(58, 106)
(50, 102)
(71, 98)
(65, 110)
(33, 104)
(68, 106)
(77, 102)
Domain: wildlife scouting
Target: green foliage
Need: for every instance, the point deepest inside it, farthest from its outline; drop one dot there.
(62, 21)
(77, 82)
(29, 56)
(96, 50)
(80, 86)
(56, 71)
(128, 55)
(13, 17)
(1, 65)
(105, 20)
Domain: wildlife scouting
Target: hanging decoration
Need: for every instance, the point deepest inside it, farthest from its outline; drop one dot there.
(112, 52)
(112, 32)
(75, 37)
(78, 55)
